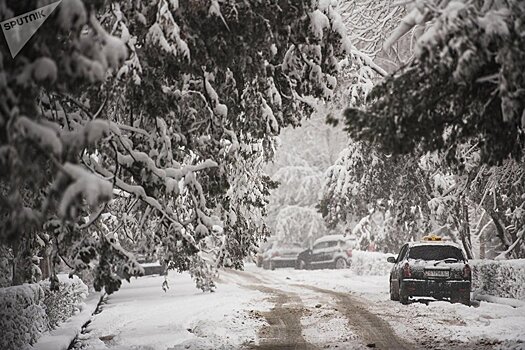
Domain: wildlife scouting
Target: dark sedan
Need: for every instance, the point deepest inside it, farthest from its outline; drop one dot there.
(432, 268)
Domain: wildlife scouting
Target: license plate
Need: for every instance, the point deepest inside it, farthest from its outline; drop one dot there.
(437, 273)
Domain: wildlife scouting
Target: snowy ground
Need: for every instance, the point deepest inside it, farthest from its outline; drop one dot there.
(142, 316)
(425, 323)
(289, 309)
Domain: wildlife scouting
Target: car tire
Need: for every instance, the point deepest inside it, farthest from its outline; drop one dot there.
(272, 266)
(463, 298)
(394, 295)
(403, 296)
(340, 263)
(300, 264)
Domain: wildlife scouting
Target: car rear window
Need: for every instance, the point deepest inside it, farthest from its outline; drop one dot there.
(435, 252)
(289, 245)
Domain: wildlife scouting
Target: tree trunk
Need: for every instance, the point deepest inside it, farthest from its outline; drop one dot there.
(465, 230)
(461, 220)
(482, 247)
(500, 230)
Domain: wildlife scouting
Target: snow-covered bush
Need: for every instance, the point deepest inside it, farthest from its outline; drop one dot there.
(500, 278)
(28, 310)
(22, 315)
(370, 263)
(63, 303)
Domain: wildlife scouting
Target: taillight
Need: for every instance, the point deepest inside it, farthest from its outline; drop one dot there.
(274, 254)
(467, 272)
(349, 252)
(406, 270)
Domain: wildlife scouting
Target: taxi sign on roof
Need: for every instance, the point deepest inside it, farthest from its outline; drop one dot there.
(432, 238)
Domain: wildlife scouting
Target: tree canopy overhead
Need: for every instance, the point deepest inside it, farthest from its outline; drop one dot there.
(143, 126)
(464, 86)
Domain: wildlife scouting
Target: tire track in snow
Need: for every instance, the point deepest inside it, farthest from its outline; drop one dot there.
(371, 328)
(284, 329)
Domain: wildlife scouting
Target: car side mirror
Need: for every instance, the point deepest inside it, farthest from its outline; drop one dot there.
(391, 259)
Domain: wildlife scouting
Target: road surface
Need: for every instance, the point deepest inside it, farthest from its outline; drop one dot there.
(287, 309)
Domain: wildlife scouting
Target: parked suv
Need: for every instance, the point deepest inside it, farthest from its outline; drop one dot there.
(333, 251)
(432, 267)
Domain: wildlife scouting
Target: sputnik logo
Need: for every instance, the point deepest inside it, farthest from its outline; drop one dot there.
(18, 30)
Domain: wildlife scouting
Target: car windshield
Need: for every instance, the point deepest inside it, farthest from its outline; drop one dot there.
(435, 252)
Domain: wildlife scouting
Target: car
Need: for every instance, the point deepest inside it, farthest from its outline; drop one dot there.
(151, 265)
(281, 255)
(332, 251)
(263, 248)
(432, 267)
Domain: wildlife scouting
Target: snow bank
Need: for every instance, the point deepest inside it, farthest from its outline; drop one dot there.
(29, 310)
(499, 278)
(62, 337)
(370, 263)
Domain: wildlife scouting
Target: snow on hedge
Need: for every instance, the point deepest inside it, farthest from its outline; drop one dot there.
(29, 310)
(22, 315)
(66, 301)
(500, 278)
(370, 263)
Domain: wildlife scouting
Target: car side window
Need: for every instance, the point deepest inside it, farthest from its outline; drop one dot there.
(402, 253)
(319, 245)
(332, 244)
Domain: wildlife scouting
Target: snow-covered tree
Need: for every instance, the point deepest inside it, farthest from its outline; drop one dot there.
(382, 199)
(161, 114)
(301, 158)
(459, 99)
(500, 192)
(464, 85)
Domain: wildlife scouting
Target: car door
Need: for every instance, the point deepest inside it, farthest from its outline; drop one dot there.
(396, 270)
(331, 250)
(317, 253)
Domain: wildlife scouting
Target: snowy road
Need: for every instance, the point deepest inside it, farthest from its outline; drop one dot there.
(285, 331)
(288, 309)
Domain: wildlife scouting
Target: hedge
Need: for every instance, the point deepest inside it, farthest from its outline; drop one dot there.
(500, 278)
(29, 310)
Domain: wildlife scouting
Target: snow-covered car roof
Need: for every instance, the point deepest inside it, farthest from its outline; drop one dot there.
(329, 238)
(438, 243)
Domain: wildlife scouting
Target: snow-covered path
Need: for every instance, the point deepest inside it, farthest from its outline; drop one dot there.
(289, 309)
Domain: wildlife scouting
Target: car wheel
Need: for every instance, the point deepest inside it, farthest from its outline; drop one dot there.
(394, 295)
(272, 265)
(403, 297)
(463, 298)
(300, 265)
(340, 263)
